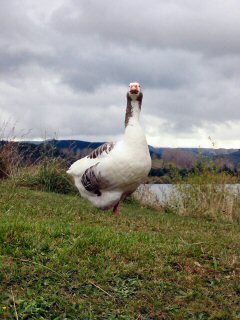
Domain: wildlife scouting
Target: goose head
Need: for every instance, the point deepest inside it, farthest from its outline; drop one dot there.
(134, 92)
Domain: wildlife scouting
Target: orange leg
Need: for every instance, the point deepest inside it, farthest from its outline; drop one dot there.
(115, 209)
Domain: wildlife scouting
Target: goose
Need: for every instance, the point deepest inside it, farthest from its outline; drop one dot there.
(114, 170)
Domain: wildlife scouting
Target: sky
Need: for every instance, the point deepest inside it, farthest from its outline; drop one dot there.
(65, 67)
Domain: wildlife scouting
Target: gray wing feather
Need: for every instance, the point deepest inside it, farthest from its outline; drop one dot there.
(91, 180)
(106, 147)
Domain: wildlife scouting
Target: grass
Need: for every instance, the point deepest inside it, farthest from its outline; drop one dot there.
(62, 259)
(207, 195)
(49, 175)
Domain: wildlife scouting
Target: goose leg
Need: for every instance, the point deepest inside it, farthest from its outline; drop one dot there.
(115, 209)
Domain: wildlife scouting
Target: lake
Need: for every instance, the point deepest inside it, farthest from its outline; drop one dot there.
(165, 191)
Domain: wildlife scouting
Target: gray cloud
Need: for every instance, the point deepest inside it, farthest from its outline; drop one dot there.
(210, 27)
(65, 66)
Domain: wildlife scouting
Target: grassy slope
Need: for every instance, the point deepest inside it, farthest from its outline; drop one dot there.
(58, 254)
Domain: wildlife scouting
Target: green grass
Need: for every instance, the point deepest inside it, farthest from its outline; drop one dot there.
(48, 175)
(62, 259)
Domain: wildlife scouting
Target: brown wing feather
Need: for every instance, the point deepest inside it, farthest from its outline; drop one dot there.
(106, 147)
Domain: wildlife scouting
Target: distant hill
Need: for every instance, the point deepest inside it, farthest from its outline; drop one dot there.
(28, 152)
(79, 146)
(75, 149)
(74, 144)
(207, 152)
(232, 158)
(70, 144)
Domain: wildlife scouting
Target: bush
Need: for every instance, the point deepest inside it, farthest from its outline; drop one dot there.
(50, 175)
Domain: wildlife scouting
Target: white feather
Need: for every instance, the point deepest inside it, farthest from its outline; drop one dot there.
(124, 167)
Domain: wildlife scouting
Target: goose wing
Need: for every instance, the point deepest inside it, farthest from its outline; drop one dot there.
(102, 150)
(93, 181)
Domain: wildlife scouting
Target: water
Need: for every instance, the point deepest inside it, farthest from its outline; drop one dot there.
(164, 192)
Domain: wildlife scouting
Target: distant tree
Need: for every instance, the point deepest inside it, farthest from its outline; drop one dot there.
(179, 158)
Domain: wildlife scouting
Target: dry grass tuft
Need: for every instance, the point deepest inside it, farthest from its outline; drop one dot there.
(147, 198)
(10, 158)
(210, 195)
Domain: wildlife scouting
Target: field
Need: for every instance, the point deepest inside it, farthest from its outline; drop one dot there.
(62, 259)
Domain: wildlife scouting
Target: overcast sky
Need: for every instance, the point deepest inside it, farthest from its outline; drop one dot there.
(65, 66)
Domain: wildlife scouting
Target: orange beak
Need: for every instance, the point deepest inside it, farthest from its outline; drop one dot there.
(134, 89)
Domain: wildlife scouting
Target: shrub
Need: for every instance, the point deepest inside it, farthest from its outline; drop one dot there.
(50, 175)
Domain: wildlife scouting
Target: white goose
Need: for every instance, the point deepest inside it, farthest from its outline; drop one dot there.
(114, 170)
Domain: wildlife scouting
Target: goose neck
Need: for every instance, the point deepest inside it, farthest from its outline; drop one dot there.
(132, 113)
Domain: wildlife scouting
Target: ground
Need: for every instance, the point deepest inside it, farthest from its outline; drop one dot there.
(62, 259)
